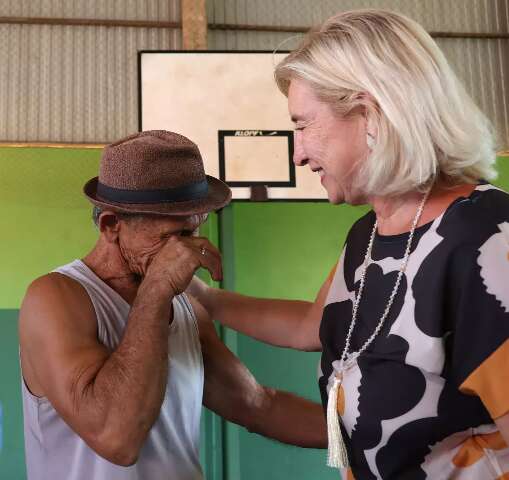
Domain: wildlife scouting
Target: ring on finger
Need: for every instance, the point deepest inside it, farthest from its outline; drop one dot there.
(203, 250)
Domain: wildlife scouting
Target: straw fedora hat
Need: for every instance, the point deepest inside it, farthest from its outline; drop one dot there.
(155, 172)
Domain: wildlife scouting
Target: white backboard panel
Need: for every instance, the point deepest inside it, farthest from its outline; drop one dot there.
(256, 159)
(229, 105)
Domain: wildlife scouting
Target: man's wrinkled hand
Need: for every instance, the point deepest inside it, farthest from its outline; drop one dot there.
(175, 264)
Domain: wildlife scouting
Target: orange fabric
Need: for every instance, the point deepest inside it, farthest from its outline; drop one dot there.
(349, 475)
(472, 449)
(492, 441)
(490, 382)
(504, 476)
(469, 453)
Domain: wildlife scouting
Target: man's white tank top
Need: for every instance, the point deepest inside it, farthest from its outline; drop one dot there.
(55, 452)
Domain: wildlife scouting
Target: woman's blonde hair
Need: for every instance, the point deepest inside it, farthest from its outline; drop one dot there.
(426, 125)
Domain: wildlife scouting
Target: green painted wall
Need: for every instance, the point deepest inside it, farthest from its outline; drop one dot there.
(273, 249)
(12, 455)
(280, 250)
(45, 219)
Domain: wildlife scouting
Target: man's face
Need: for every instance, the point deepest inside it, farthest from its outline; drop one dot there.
(141, 238)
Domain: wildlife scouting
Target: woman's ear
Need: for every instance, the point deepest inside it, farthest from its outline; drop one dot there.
(371, 133)
(370, 110)
(372, 118)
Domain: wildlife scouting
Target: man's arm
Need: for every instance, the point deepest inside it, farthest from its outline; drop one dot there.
(94, 390)
(233, 393)
(110, 399)
(282, 323)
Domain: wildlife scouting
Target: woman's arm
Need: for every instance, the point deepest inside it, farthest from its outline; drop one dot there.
(231, 391)
(283, 323)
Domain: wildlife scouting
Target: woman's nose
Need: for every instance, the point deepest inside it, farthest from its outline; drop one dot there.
(299, 155)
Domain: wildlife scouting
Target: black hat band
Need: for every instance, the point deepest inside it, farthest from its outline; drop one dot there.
(192, 191)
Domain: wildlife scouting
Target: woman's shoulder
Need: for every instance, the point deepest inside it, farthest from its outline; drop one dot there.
(475, 218)
(487, 195)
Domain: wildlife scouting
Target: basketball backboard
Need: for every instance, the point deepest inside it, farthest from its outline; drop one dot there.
(229, 105)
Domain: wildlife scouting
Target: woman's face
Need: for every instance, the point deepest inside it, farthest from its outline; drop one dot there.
(331, 146)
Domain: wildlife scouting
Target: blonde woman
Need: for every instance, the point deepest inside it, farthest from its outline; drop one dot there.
(413, 323)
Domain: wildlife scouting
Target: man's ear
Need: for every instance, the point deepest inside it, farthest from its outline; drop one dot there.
(109, 225)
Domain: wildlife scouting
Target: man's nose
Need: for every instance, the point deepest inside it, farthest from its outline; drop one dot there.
(299, 155)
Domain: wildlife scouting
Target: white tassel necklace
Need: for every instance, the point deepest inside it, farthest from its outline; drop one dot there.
(337, 455)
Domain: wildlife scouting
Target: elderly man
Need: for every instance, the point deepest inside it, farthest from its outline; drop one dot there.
(116, 359)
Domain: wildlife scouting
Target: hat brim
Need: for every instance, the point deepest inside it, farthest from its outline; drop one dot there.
(219, 195)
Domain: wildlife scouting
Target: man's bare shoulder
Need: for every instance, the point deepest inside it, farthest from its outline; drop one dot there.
(55, 283)
(205, 325)
(199, 310)
(57, 319)
(57, 299)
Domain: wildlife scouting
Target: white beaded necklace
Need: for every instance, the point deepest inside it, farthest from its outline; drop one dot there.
(337, 455)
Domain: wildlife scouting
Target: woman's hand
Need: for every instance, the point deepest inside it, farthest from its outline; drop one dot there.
(198, 289)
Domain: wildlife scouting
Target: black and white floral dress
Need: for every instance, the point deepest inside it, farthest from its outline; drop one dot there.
(420, 402)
